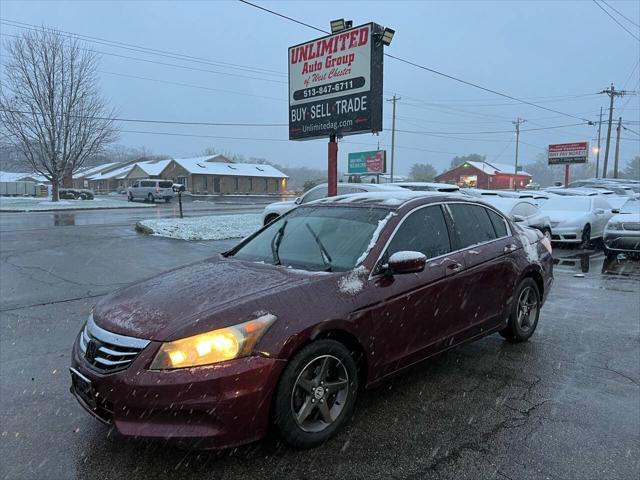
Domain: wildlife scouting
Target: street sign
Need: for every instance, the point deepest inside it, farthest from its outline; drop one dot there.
(368, 162)
(568, 153)
(335, 84)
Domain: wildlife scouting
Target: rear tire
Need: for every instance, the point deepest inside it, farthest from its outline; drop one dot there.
(525, 312)
(316, 394)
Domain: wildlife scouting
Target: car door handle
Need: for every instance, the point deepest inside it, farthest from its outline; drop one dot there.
(454, 267)
(510, 248)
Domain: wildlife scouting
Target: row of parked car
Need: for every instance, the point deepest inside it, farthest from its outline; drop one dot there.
(586, 212)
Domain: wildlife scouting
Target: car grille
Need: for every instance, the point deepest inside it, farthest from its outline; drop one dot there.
(107, 351)
(631, 226)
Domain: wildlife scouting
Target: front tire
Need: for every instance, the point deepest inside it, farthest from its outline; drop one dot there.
(316, 394)
(585, 243)
(151, 199)
(524, 312)
(130, 197)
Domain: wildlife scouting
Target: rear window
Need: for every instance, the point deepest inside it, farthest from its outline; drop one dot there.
(166, 184)
(499, 225)
(471, 224)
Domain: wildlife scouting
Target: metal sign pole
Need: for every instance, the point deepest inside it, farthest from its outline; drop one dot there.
(333, 166)
(566, 176)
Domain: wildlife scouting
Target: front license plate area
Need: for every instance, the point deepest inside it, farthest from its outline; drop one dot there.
(83, 387)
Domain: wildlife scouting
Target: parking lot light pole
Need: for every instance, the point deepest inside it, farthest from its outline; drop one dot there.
(332, 190)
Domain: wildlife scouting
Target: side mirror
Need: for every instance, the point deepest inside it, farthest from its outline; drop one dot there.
(615, 210)
(406, 262)
(298, 200)
(518, 218)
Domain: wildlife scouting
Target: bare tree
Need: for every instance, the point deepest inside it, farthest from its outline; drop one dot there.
(51, 109)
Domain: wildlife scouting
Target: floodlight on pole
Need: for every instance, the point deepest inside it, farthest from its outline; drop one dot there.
(337, 25)
(387, 36)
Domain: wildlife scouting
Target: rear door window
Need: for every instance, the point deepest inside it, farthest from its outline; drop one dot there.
(471, 224)
(499, 223)
(424, 231)
(147, 184)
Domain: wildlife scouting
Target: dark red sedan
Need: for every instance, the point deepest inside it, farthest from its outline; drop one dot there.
(289, 326)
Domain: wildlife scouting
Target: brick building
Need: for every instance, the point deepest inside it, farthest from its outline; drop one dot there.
(495, 176)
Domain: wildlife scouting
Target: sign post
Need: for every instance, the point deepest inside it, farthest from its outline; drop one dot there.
(567, 154)
(335, 88)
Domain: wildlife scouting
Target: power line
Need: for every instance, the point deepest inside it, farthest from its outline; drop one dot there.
(207, 136)
(620, 13)
(445, 75)
(143, 49)
(616, 20)
(163, 122)
(495, 131)
(185, 67)
(284, 16)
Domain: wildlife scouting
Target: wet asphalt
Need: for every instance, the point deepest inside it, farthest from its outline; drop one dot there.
(565, 405)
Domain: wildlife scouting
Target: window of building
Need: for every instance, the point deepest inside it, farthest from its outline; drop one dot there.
(236, 181)
(250, 184)
(266, 184)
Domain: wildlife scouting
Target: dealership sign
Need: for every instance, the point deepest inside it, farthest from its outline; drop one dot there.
(568, 153)
(335, 84)
(368, 162)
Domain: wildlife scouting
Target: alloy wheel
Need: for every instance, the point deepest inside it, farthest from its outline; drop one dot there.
(320, 393)
(527, 309)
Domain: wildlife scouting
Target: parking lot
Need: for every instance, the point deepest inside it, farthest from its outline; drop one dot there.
(564, 405)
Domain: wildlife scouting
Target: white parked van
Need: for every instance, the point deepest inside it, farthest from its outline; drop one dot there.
(151, 190)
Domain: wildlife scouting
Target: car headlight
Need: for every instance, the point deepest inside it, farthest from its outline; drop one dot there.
(614, 226)
(212, 347)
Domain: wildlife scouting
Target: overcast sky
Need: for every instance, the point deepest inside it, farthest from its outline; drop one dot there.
(557, 54)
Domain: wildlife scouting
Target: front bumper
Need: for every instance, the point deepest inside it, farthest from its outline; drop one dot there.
(566, 234)
(622, 241)
(217, 406)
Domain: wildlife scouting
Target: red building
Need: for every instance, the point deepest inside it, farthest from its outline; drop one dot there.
(494, 176)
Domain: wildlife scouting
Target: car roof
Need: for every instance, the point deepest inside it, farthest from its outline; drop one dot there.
(370, 187)
(389, 199)
(504, 203)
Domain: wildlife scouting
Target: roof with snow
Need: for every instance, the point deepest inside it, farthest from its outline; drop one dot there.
(153, 167)
(20, 176)
(200, 165)
(85, 172)
(390, 199)
(110, 174)
(493, 168)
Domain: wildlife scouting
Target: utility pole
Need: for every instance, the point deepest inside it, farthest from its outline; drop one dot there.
(517, 123)
(598, 151)
(393, 132)
(617, 155)
(612, 92)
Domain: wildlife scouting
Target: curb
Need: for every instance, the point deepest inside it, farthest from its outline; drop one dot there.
(140, 228)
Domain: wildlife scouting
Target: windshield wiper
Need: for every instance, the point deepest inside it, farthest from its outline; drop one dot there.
(326, 259)
(275, 243)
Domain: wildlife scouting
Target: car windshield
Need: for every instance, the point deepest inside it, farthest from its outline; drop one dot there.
(568, 203)
(631, 206)
(315, 238)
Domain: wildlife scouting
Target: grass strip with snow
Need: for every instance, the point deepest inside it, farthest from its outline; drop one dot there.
(214, 227)
(34, 204)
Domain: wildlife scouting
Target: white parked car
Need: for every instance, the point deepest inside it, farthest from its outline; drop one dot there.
(151, 190)
(577, 219)
(522, 211)
(479, 192)
(274, 210)
(622, 233)
(427, 186)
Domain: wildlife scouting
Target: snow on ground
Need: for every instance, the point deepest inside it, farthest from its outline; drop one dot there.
(215, 227)
(35, 204)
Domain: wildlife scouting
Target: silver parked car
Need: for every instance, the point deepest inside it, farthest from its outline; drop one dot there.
(523, 211)
(151, 190)
(274, 210)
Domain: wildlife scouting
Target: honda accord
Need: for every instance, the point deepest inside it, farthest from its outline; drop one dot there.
(287, 328)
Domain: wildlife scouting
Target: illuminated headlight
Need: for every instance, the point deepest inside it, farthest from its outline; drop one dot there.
(212, 347)
(614, 226)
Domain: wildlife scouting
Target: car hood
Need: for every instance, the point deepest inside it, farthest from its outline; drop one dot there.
(564, 216)
(626, 217)
(174, 301)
